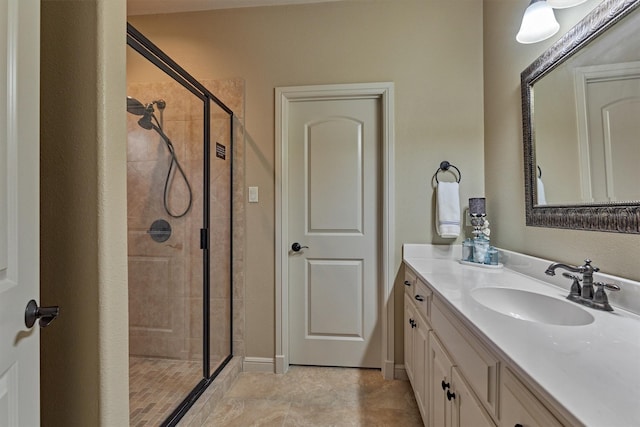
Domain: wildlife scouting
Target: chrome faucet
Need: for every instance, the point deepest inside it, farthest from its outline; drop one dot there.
(586, 294)
(586, 270)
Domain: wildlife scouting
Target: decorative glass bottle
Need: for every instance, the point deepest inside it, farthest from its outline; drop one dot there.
(480, 249)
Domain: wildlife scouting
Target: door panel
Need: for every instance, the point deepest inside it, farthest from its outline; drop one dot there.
(467, 411)
(337, 284)
(335, 198)
(621, 129)
(439, 369)
(333, 160)
(19, 210)
(409, 317)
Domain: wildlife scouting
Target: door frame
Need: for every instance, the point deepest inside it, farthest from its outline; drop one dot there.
(284, 97)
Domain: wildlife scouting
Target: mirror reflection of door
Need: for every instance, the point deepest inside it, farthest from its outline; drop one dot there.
(609, 98)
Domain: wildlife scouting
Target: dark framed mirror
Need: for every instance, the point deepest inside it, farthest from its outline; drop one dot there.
(581, 133)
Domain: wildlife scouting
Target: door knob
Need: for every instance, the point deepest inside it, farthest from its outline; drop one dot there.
(296, 247)
(45, 314)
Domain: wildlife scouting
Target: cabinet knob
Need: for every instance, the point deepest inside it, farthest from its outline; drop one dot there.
(518, 425)
(450, 395)
(445, 385)
(407, 283)
(419, 298)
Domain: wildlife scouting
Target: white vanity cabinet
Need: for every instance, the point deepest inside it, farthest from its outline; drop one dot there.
(453, 402)
(409, 318)
(429, 367)
(457, 380)
(416, 331)
(519, 407)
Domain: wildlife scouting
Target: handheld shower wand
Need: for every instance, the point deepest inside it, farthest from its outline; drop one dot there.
(147, 120)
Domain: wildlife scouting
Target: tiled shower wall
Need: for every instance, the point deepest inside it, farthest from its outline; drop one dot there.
(165, 279)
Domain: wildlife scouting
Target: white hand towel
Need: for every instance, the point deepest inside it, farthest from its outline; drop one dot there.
(542, 199)
(448, 210)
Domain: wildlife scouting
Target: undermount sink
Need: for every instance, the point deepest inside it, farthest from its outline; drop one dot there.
(532, 307)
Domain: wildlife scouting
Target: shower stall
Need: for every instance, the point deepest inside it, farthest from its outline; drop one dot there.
(184, 253)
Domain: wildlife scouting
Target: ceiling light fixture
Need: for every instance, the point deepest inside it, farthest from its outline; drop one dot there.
(538, 23)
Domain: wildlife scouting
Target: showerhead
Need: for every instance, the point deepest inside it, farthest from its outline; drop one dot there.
(139, 109)
(135, 107)
(146, 111)
(145, 121)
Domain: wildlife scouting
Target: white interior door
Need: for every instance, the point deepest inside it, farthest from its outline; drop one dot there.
(614, 109)
(19, 210)
(608, 106)
(334, 210)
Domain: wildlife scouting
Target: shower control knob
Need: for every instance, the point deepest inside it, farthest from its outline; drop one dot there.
(296, 247)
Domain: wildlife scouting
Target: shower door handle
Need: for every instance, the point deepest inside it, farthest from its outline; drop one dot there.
(45, 314)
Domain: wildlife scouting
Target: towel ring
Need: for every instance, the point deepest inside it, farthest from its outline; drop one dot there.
(444, 166)
(539, 172)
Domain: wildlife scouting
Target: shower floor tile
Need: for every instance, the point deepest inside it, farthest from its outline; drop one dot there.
(157, 386)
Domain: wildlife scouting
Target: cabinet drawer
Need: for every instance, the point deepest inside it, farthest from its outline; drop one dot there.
(422, 296)
(409, 281)
(477, 364)
(519, 406)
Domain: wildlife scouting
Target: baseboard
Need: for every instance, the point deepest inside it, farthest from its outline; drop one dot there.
(258, 364)
(280, 364)
(400, 373)
(388, 369)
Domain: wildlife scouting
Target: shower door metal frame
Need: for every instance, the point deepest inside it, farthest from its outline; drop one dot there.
(142, 45)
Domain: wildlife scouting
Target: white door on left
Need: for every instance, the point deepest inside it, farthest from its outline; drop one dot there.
(19, 210)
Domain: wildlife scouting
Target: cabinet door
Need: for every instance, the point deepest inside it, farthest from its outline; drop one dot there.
(520, 407)
(420, 369)
(409, 318)
(466, 411)
(439, 383)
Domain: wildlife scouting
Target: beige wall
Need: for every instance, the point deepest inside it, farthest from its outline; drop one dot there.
(504, 59)
(84, 360)
(432, 50)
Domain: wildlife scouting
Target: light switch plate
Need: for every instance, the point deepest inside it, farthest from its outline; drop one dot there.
(253, 194)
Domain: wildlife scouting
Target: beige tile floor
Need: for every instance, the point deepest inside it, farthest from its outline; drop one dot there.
(316, 396)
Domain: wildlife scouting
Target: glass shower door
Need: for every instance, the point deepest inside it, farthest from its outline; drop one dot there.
(179, 176)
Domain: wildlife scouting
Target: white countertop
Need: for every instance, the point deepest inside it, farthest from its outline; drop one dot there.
(593, 370)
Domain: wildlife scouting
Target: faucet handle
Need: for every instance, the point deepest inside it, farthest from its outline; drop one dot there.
(609, 286)
(600, 300)
(576, 291)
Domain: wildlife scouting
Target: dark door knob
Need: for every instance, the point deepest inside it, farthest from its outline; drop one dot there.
(45, 314)
(296, 247)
